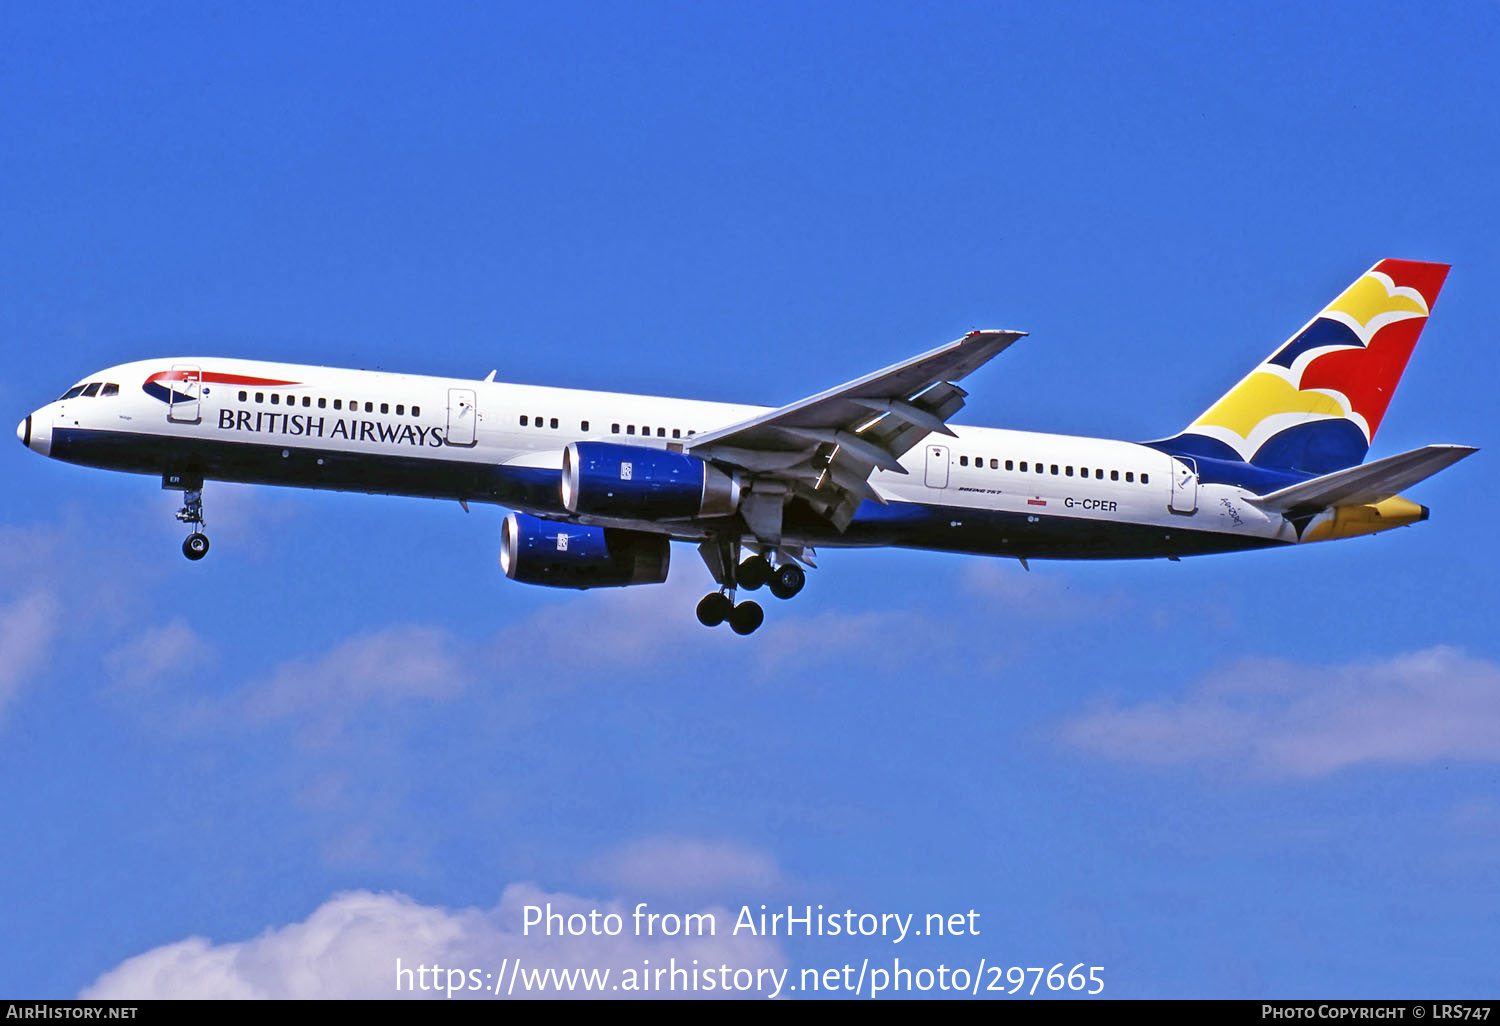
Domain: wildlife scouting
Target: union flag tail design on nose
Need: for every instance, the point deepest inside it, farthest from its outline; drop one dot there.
(1315, 404)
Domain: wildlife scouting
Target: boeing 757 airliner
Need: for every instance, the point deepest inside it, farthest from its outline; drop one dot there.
(601, 483)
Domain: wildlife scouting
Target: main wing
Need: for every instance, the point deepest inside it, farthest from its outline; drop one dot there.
(823, 449)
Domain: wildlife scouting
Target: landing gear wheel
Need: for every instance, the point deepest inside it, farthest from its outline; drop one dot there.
(714, 609)
(753, 572)
(745, 617)
(787, 580)
(196, 546)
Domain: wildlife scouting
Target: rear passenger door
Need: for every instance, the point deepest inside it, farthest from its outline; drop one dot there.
(1184, 485)
(937, 466)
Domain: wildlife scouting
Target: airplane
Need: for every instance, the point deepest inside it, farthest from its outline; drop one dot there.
(600, 483)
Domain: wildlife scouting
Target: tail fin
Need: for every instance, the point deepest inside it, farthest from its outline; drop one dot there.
(1314, 405)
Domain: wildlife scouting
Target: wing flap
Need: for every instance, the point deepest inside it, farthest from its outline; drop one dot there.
(823, 449)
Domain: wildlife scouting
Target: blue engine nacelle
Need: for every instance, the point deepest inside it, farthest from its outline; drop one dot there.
(608, 480)
(536, 551)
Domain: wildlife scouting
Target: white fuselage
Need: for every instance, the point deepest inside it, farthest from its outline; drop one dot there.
(986, 490)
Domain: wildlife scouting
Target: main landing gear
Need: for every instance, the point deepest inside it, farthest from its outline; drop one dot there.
(718, 607)
(784, 581)
(752, 574)
(195, 547)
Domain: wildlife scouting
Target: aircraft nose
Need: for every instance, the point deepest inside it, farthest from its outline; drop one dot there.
(23, 431)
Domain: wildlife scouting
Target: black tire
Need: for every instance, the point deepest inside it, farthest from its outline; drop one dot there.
(714, 609)
(788, 579)
(196, 546)
(752, 573)
(746, 617)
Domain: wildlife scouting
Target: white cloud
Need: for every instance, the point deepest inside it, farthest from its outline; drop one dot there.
(1042, 593)
(1284, 719)
(349, 946)
(638, 627)
(172, 648)
(401, 662)
(27, 628)
(676, 865)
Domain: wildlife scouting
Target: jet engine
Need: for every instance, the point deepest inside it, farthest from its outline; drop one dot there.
(605, 479)
(536, 551)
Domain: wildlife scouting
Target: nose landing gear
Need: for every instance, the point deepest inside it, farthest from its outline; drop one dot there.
(195, 547)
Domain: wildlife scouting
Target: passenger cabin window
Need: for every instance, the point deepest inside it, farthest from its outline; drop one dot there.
(369, 407)
(400, 409)
(630, 429)
(1145, 479)
(1069, 471)
(1130, 476)
(614, 429)
(416, 411)
(322, 403)
(275, 399)
(552, 422)
(307, 400)
(1054, 470)
(1098, 474)
(661, 432)
(677, 432)
(963, 461)
(385, 407)
(583, 426)
(523, 420)
(244, 396)
(338, 404)
(1011, 465)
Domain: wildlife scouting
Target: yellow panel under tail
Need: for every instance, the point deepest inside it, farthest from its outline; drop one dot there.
(1351, 521)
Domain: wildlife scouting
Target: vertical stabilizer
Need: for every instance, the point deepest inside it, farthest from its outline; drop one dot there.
(1315, 404)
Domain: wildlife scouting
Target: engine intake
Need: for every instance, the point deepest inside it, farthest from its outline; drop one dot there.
(604, 479)
(536, 551)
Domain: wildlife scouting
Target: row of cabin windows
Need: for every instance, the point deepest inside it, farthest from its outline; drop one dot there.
(338, 404)
(661, 432)
(614, 429)
(1066, 471)
(93, 388)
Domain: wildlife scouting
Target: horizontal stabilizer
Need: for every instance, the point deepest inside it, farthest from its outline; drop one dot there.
(1367, 483)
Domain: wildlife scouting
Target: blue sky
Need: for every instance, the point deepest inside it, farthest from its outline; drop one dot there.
(345, 737)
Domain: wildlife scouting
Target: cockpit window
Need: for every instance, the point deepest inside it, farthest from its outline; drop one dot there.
(71, 393)
(110, 388)
(92, 389)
